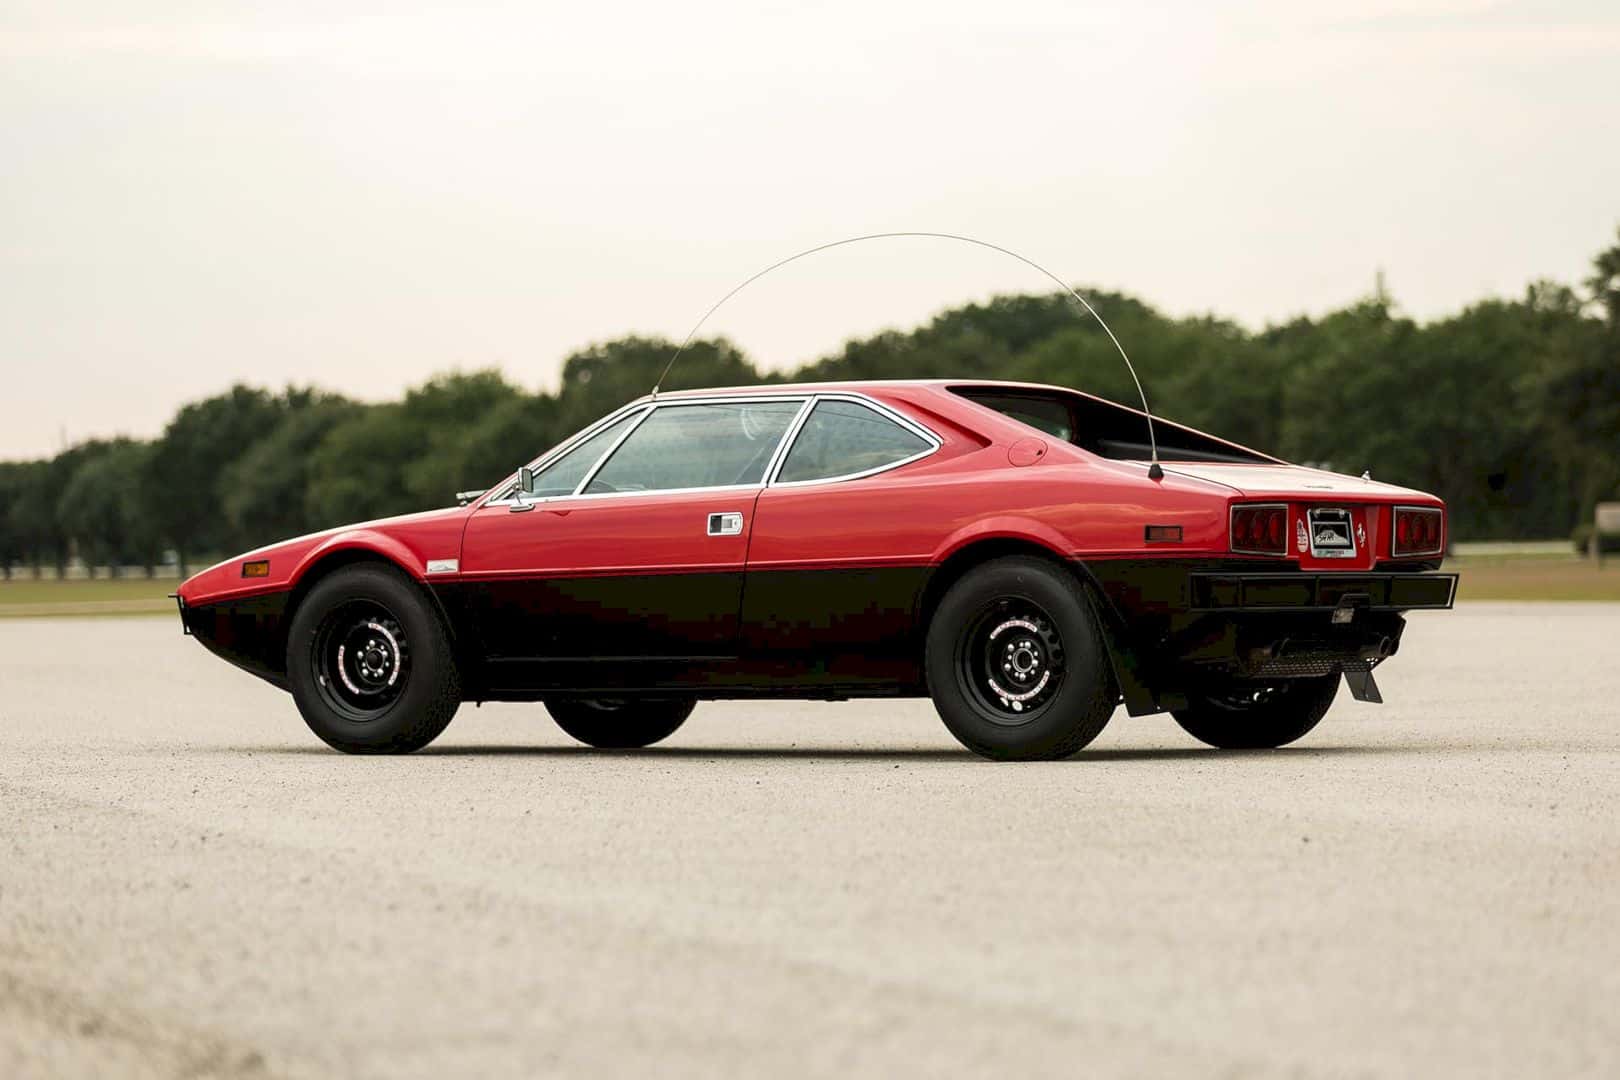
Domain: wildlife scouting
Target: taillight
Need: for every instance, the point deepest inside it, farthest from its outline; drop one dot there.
(1260, 530)
(1419, 530)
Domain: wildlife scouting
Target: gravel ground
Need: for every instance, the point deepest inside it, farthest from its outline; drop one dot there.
(191, 885)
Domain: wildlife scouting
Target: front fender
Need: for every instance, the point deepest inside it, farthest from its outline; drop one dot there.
(369, 541)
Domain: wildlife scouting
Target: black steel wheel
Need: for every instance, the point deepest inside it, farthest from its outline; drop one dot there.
(370, 662)
(1011, 661)
(361, 658)
(1256, 716)
(1016, 663)
(620, 723)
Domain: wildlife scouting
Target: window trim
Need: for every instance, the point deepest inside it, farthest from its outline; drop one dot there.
(507, 488)
(580, 492)
(905, 422)
(807, 402)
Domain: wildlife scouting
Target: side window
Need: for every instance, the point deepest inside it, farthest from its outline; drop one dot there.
(562, 476)
(841, 438)
(691, 446)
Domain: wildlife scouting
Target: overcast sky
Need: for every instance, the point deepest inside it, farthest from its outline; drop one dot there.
(197, 193)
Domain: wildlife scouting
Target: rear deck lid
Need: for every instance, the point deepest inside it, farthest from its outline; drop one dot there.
(1291, 480)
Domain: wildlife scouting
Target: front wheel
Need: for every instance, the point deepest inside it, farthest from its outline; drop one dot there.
(619, 724)
(370, 663)
(1016, 662)
(1258, 717)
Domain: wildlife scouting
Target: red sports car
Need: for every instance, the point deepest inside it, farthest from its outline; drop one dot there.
(1007, 549)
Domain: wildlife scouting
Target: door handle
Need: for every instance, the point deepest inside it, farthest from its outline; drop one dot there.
(727, 524)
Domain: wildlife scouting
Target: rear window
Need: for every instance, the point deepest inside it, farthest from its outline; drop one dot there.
(1102, 427)
(1047, 415)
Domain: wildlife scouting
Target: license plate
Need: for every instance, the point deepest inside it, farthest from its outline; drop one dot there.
(1333, 534)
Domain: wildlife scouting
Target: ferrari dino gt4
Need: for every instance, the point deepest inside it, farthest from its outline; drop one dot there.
(1010, 550)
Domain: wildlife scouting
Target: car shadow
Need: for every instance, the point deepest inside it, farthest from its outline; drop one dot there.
(865, 753)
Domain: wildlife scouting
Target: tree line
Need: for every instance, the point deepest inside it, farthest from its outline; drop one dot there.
(1508, 409)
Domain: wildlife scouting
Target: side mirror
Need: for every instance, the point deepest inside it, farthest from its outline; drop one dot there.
(525, 486)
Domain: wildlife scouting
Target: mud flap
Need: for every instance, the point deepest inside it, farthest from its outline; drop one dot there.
(1138, 699)
(1363, 687)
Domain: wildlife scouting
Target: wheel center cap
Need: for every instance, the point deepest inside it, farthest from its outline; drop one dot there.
(1022, 659)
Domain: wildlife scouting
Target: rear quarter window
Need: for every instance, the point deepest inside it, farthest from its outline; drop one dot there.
(846, 438)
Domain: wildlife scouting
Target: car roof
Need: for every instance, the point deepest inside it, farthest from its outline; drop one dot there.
(853, 386)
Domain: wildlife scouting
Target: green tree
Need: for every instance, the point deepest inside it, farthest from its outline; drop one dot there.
(515, 431)
(13, 542)
(103, 512)
(31, 515)
(601, 378)
(265, 490)
(186, 469)
(1605, 282)
(356, 473)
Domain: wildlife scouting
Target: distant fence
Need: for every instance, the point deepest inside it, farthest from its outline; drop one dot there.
(77, 571)
(1467, 548)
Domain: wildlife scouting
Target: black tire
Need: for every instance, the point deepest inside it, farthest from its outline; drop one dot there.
(371, 664)
(1258, 717)
(615, 724)
(1016, 662)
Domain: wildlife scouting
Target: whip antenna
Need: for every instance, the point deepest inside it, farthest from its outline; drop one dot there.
(1154, 470)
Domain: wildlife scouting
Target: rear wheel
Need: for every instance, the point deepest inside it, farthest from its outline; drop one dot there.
(1016, 662)
(370, 663)
(1258, 717)
(617, 723)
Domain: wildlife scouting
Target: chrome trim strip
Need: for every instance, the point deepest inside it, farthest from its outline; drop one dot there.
(590, 474)
(772, 467)
(788, 438)
(505, 487)
(904, 421)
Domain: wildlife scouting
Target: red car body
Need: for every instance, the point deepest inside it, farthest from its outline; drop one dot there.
(826, 588)
(828, 585)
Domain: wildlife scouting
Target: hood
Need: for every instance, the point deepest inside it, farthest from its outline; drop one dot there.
(1265, 480)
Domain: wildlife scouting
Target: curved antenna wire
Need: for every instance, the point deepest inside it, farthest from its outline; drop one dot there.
(1154, 470)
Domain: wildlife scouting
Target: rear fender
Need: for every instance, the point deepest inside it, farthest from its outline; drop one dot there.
(1126, 662)
(1003, 527)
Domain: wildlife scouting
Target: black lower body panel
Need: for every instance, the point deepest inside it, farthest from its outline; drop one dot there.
(829, 633)
(1182, 627)
(250, 633)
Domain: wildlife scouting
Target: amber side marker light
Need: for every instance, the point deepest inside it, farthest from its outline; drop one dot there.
(1162, 534)
(258, 568)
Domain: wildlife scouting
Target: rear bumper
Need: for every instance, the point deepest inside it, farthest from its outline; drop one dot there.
(1304, 592)
(1179, 628)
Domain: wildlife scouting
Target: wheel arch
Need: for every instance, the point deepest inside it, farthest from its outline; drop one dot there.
(974, 553)
(979, 550)
(323, 563)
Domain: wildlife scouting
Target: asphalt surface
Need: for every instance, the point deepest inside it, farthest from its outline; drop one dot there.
(191, 885)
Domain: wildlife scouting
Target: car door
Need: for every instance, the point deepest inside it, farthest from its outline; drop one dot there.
(629, 576)
(840, 548)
